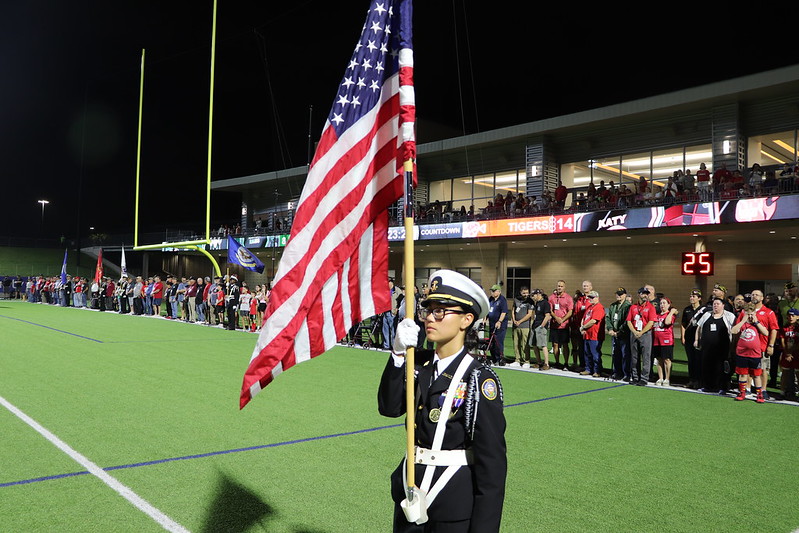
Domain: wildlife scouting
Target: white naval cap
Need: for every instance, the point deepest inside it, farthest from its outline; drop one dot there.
(450, 287)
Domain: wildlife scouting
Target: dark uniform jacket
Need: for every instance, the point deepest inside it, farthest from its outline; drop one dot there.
(476, 491)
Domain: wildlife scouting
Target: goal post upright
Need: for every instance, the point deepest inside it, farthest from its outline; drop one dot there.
(199, 244)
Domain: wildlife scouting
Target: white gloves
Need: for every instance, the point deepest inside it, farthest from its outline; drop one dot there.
(407, 334)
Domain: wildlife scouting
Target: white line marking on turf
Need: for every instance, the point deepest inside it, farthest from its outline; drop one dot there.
(162, 519)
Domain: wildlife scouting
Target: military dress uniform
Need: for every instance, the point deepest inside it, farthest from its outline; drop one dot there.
(475, 429)
(460, 455)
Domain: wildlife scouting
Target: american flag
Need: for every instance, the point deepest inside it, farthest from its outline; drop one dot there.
(334, 269)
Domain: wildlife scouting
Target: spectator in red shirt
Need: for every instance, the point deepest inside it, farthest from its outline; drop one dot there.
(748, 351)
(663, 340)
(157, 295)
(640, 320)
(580, 305)
(560, 195)
(589, 328)
(768, 338)
(703, 183)
(561, 306)
(789, 362)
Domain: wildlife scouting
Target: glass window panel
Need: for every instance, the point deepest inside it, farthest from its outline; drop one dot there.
(462, 190)
(696, 155)
(773, 149)
(507, 182)
(605, 169)
(665, 163)
(483, 190)
(441, 191)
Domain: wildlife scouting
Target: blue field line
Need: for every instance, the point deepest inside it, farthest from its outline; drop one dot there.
(52, 329)
(273, 445)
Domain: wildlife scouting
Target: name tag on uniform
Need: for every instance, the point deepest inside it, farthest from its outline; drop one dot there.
(712, 327)
(615, 316)
(557, 307)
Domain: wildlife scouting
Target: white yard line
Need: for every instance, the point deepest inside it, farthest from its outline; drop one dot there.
(162, 519)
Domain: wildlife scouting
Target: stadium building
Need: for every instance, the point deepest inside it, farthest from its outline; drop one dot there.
(746, 235)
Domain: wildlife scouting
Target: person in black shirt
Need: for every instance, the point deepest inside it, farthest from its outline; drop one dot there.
(713, 338)
(688, 334)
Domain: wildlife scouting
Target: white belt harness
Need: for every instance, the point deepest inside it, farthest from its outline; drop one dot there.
(435, 456)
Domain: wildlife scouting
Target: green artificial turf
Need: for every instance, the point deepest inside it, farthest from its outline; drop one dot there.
(155, 403)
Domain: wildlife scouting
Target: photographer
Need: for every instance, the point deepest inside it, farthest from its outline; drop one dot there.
(748, 350)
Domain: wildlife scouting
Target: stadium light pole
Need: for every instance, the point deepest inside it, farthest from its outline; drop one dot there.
(44, 203)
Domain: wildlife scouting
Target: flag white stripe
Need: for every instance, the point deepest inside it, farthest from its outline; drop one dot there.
(365, 272)
(346, 305)
(329, 292)
(302, 343)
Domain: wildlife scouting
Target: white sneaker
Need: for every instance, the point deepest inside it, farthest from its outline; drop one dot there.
(659, 382)
(514, 364)
(666, 383)
(526, 365)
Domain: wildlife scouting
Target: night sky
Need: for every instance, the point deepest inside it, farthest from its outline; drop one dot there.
(70, 90)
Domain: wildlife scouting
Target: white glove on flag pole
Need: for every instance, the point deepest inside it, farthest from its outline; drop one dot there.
(407, 334)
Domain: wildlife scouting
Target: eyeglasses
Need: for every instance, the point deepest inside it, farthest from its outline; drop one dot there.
(439, 313)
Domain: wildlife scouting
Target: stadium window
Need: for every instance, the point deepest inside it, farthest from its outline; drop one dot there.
(773, 149)
(473, 273)
(517, 277)
(441, 190)
(462, 194)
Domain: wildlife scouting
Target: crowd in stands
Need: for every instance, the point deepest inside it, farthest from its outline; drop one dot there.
(729, 340)
(221, 302)
(683, 186)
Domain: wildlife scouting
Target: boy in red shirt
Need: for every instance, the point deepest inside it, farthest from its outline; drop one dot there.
(749, 351)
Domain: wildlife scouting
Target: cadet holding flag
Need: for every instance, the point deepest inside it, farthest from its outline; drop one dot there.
(460, 452)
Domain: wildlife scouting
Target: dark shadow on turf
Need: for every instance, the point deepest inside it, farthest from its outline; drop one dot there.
(236, 508)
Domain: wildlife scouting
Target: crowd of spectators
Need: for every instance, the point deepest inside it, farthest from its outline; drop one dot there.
(729, 340)
(221, 302)
(683, 186)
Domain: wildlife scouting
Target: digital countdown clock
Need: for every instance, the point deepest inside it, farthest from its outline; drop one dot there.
(697, 263)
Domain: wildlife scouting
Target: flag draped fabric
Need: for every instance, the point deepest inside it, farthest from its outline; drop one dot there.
(124, 264)
(64, 269)
(98, 272)
(334, 269)
(240, 255)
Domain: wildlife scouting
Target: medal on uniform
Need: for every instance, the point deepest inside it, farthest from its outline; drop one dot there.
(460, 395)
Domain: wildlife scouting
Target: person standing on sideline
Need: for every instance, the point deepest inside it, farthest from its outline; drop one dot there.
(749, 351)
(461, 455)
(713, 338)
(522, 311)
(617, 330)
(232, 302)
(640, 320)
(663, 340)
(389, 316)
(687, 335)
(561, 306)
(539, 329)
(589, 328)
(497, 324)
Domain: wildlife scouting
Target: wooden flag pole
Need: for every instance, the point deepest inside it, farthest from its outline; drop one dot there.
(410, 312)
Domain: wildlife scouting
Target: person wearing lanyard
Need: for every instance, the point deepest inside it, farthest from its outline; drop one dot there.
(460, 456)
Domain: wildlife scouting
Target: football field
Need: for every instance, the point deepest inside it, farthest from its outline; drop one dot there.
(131, 423)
